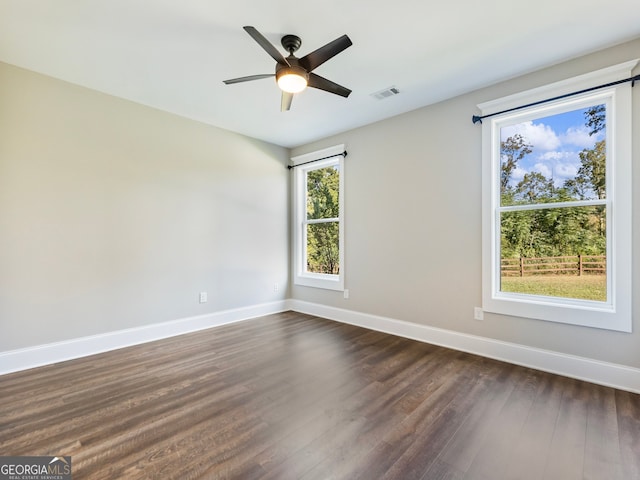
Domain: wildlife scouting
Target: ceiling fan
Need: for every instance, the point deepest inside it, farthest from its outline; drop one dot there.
(295, 74)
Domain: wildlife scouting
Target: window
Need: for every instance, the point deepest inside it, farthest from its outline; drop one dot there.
(557, 203)
(318, 219)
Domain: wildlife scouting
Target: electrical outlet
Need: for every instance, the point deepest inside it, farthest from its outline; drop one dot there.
(276, 287)
(478, 314)
(346, 293)
(203, 297)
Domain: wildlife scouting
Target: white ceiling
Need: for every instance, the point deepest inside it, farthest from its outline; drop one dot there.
(174, 54)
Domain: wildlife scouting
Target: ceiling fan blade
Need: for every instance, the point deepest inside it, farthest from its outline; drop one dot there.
(316, 58)
(285, 103)
(266, 45)
(316, 81)
(249, 78)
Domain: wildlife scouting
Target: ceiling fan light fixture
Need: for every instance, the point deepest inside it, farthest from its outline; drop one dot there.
(294, 74)
(292, 79)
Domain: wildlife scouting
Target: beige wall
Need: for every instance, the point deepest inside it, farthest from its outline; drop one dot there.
(413, 222)
(114, 215)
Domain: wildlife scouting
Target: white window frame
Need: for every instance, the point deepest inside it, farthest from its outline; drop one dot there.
(330, 156)
(615, 312)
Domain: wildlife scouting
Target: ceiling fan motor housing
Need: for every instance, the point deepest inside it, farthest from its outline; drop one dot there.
(294, 69)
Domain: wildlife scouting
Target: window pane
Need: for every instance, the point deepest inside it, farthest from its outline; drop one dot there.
(323, 248)
(323, 187)
(558, 252)
(557, 158)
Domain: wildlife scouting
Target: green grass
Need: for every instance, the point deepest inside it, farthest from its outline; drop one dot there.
(585, 287)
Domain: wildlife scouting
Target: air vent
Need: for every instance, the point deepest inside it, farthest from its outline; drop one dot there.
(386, 93)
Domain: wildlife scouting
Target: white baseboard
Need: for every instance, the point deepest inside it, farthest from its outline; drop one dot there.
(594, 371)
(25, 358)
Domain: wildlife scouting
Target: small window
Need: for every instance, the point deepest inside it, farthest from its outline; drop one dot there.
(318, 219)
(557, 205)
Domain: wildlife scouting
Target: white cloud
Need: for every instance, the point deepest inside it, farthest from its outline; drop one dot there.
(541, 136)
(555, 155)
(517, 175)
(559, 165)
(543, 168)
(565, 171)
(578, 137)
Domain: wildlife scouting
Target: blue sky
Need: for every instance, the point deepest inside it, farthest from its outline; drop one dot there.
(557, 141)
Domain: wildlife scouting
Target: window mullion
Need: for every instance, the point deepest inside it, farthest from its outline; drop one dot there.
(320, 220)
(541, 206)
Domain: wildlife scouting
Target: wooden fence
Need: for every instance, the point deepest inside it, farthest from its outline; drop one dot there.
(571, 265)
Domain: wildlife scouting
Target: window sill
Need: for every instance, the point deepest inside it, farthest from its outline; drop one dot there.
(327, 282)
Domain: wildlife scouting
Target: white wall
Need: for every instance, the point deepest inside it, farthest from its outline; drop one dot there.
(413, 222)
(114, 215)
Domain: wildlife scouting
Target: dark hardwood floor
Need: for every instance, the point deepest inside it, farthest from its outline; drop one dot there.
(291, 396)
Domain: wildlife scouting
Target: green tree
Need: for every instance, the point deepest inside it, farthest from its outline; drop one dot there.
(323, 202)
(517, 234)
(512, 150)
(534, 188)
(577, 188)
(592, 171)
(557, 231)
(596, 118)
(592, 174)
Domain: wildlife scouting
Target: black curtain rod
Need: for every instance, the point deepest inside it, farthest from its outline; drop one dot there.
(478, 118)
(344, 154)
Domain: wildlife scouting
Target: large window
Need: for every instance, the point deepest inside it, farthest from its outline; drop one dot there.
(318, 225)
(557, 204)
